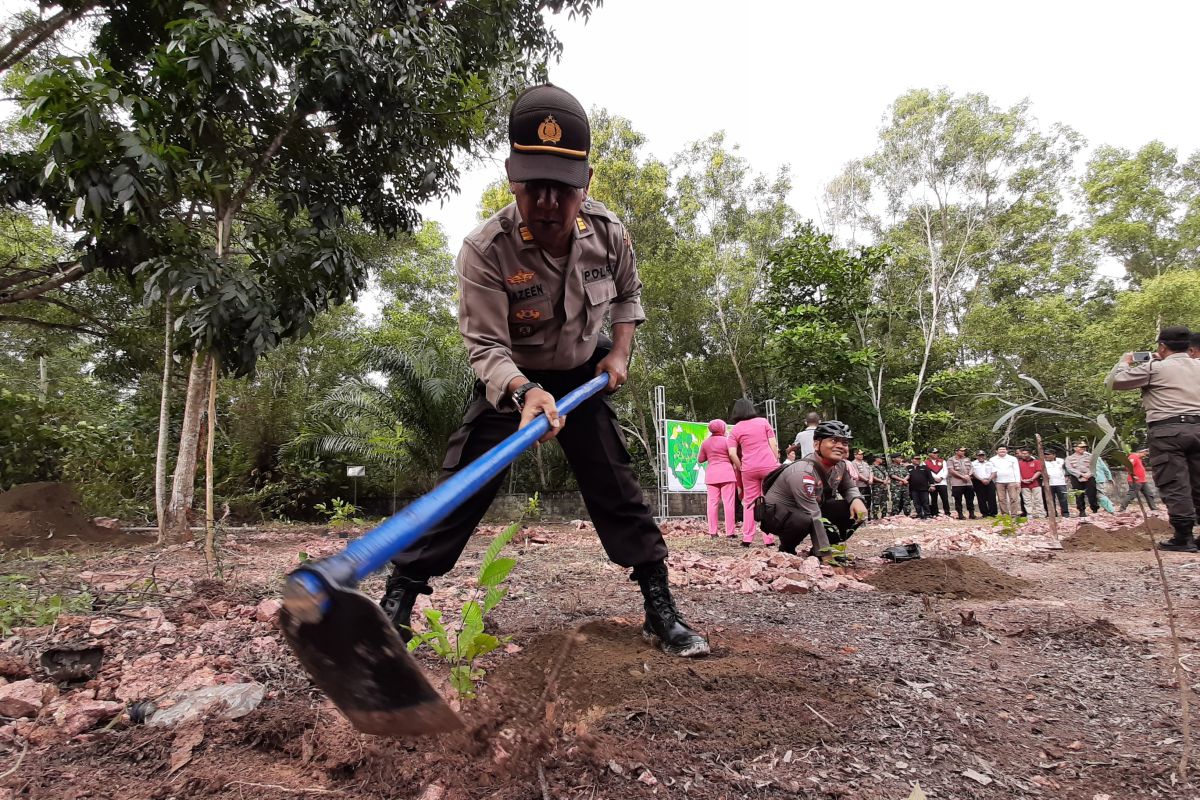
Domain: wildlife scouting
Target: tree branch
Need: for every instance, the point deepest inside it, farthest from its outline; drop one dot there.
(70, 309)
(74, 273)
(26, 275)
(53, 326)
(26, 40)
(256, 172)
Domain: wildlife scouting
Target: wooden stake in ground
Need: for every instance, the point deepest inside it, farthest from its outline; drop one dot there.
(210, 534)
(1181, 676)
(164, 425)
(1048, 495)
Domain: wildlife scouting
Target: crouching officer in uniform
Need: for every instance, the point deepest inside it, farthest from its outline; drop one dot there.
(536, 282)
(1170, 384)
(805, 492)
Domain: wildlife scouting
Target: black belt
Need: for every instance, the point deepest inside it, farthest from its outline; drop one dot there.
(1186, 418)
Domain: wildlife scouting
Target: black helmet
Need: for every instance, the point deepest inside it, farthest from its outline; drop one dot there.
(832, 429)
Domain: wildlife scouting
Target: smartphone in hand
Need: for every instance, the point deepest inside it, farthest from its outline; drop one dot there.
(1142, 356)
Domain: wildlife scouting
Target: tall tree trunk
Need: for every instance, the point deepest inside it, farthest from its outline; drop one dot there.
(43, 380)
(210, 535)
(875, 386)
(737, 367)
(183, 484)
(164, 424)
(688, 385)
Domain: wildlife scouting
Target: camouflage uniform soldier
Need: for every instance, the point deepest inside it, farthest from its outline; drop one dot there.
(879, 489)
(898, 472)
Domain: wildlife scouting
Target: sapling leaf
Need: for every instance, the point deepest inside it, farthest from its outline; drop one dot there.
(495, 573)
(493, 597)
(434, 617)
(498, 544)
(482, 644)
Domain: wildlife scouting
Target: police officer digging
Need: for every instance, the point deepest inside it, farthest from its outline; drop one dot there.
(803, 493)
(1170, 386)
(536, 282)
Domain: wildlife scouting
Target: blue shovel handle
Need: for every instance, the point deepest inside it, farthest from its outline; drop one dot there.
(306, 595)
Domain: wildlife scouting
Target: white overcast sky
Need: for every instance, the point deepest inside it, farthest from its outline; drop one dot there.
(807, 83)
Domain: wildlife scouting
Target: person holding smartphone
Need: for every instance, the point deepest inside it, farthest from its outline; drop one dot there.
(1170, 386)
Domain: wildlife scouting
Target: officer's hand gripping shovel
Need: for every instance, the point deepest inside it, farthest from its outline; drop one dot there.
(344, 640)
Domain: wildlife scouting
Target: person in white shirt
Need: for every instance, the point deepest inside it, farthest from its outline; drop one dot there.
(1008, 482)
(983, 478)
(804, 439)
(1056, 479)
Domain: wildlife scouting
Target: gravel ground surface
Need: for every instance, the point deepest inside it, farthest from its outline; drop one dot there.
(995, 668)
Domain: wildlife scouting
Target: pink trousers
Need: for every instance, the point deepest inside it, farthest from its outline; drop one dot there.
(751, 490)
(722, 494)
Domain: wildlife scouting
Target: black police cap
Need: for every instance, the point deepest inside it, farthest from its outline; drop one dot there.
(550, 137)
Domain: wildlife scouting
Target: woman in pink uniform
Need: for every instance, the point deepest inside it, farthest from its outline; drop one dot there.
(753, 438)
(719, 477)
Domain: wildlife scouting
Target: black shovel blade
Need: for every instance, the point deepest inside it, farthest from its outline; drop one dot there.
(356, 657)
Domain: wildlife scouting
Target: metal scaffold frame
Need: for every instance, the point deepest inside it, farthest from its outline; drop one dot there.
(660, 435)
(660, 429)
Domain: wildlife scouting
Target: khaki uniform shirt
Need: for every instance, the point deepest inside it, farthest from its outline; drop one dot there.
(1079, 464)
(957, 467)
(802, 488)
(1169, 387)
(861, 474)
(519, 310)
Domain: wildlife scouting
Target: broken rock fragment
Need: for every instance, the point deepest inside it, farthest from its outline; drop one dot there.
(25, 698)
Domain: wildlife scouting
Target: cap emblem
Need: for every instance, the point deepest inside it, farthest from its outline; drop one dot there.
(549, 131)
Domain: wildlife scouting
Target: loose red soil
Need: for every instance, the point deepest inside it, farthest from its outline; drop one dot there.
(1092, 539)
(961, 576)
(1052, 680)
(49, 516)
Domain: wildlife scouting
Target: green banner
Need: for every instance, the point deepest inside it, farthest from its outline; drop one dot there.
(683, 447)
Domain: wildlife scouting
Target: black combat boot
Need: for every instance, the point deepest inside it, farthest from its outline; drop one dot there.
(1183, 541)
(398, 601)
(663, 622)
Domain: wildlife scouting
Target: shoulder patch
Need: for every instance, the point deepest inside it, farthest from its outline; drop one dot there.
(808, 485)
(486, 234)
(595, 208)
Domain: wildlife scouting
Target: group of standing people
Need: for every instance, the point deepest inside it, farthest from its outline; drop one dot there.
(923, 486)
(1020, 485)
(738, 459)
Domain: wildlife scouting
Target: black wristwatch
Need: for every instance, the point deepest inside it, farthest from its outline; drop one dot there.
(518, 397)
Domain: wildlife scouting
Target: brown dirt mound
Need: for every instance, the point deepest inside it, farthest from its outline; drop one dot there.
(1092, 539)
(961, 576)
(49, 516)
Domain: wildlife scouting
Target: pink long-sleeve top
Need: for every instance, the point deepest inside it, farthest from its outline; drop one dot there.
(753, 437)
(714, 453)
